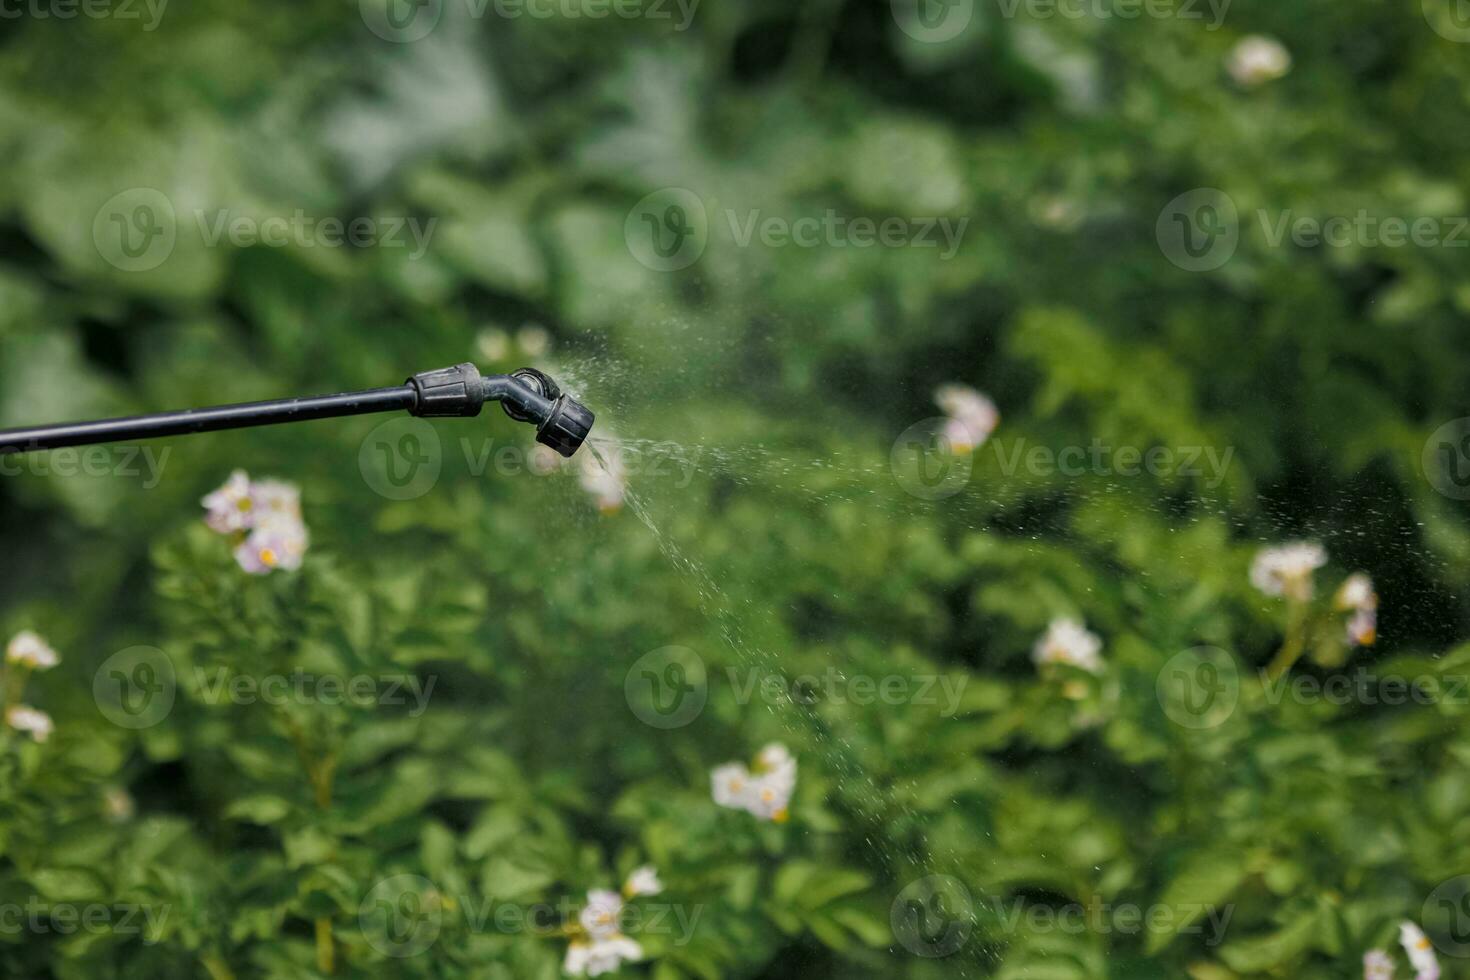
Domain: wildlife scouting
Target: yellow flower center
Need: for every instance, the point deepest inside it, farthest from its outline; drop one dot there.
(267, 556)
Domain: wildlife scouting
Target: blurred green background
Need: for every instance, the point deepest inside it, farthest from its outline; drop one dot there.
(601, 192)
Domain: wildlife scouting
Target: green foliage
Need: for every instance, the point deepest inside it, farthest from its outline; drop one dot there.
(452, 829)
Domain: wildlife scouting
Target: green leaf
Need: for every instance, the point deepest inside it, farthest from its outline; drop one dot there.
(1206, 880)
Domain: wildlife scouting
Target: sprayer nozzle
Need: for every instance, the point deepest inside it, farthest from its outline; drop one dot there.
(528, 395)
(566, 428)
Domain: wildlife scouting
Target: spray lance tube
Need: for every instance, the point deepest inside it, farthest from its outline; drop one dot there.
(526, 395)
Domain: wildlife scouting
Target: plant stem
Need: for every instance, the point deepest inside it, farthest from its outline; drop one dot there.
(1296, 636)
(319, 773)
(326, 954)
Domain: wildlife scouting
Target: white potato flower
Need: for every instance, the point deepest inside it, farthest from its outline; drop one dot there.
(1067, 641)
(764, 792)
(1287, 569)
(1258, 59)
(643, 881)
(600, 956)
(970, 417)
(1420, 950)
(36, 723)
(29, 650)
(1377, 965)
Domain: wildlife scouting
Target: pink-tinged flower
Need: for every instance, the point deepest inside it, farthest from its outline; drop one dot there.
(643, 881)
(264, 518)
(275, 499)
(970, 417)
(1357, 596)
(29, 650)
(1362, 627)
(1287, 569)
(1257, 60)
(1377, 965)
(279, 543)
(231, 508)
(600, 956)
(1420, 950)
(1067, 641)
(24, 718)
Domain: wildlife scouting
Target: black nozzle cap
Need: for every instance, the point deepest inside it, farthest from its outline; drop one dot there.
(453, 392)
(566, 428)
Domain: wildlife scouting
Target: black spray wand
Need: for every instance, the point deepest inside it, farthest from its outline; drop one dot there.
(526, 395)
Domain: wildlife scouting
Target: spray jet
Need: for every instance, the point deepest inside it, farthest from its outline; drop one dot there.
(527, 395)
